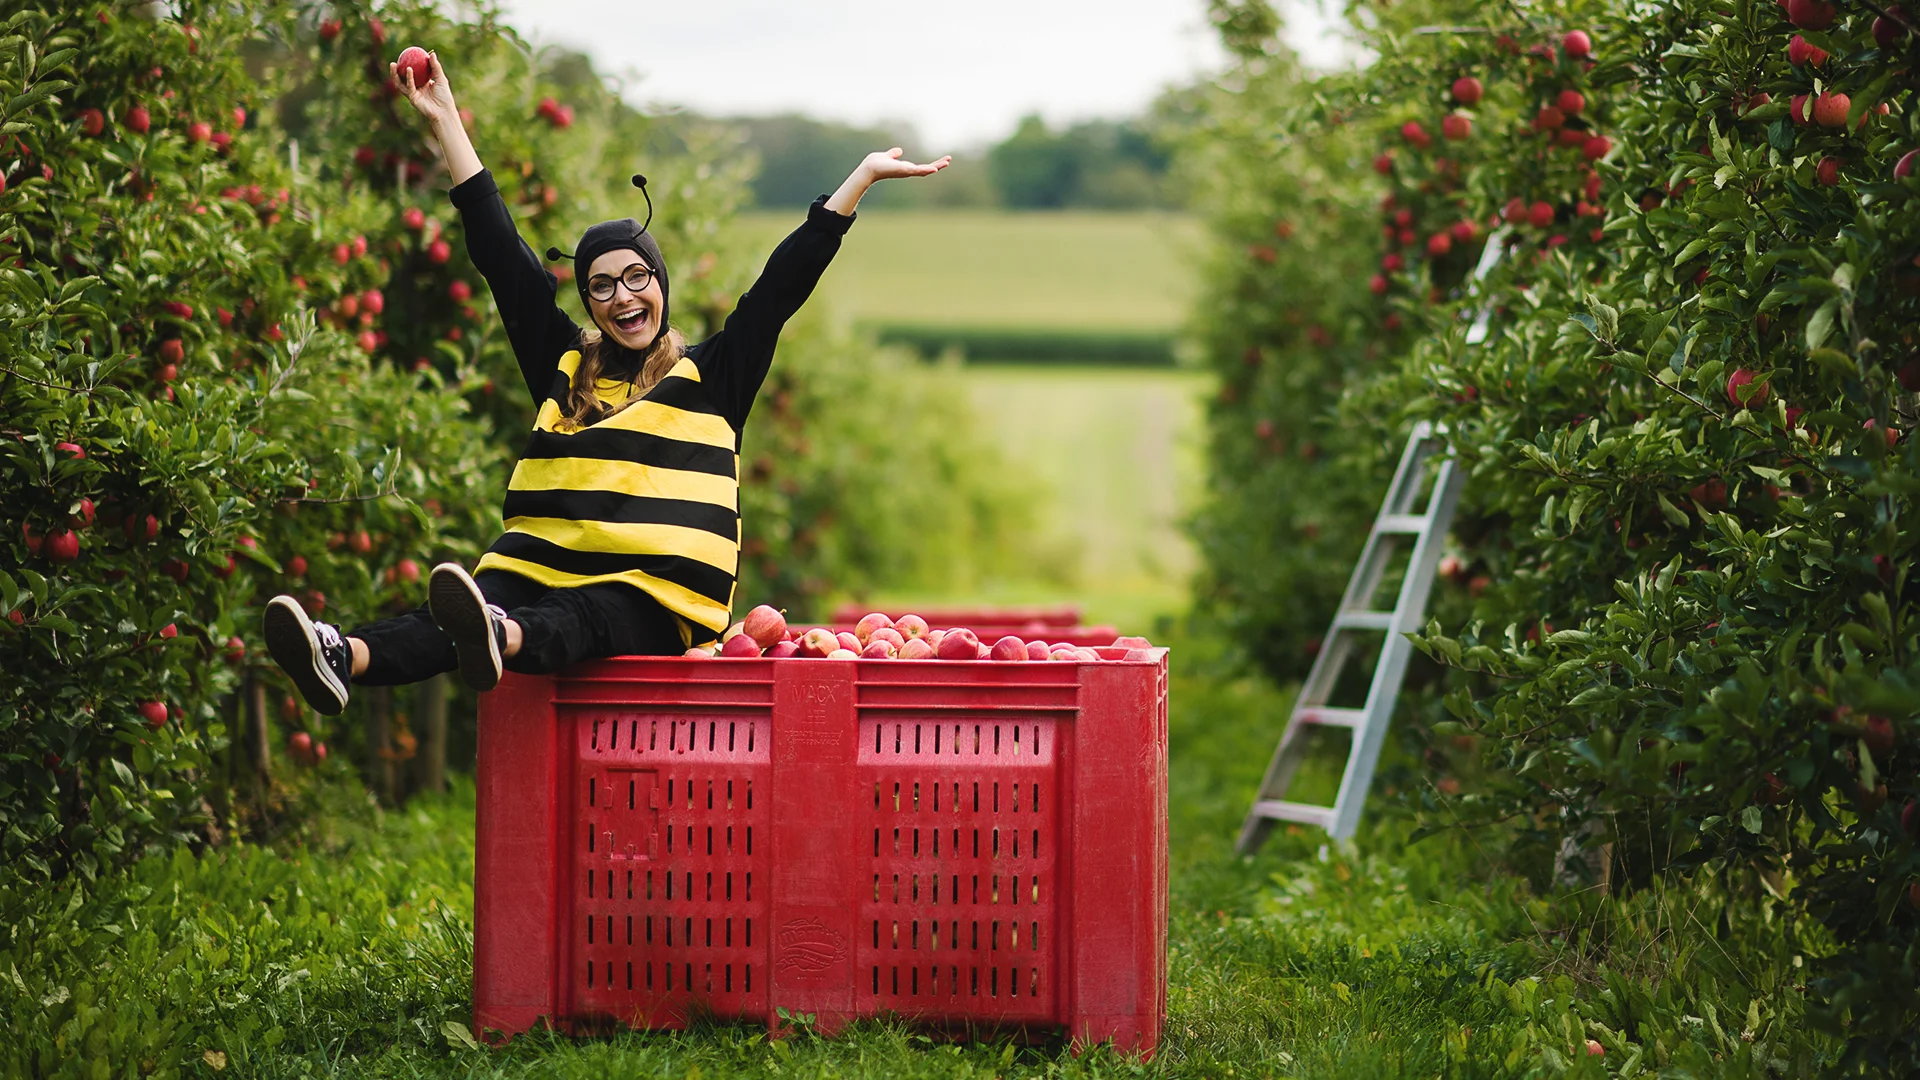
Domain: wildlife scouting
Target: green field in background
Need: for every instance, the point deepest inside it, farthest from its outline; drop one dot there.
(1100, 272)
(1118, 454)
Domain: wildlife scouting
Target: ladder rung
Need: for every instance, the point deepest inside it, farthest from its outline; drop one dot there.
(1325, 717)
(1400, 523)
(1304, 813)
(1363, 620)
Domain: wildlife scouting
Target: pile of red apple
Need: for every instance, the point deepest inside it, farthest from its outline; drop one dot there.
(765, 633)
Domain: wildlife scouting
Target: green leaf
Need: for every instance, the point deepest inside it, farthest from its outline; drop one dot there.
(1695, 247)
(1821, 324)
(458, 1037)
(1750, 819)
(1673, 514)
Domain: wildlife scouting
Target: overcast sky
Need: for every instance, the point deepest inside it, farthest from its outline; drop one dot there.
(961, 73)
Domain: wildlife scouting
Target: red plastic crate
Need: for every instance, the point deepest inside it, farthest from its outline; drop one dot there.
(964, 844)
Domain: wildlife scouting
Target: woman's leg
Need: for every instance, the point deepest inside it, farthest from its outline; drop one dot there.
(412, 647)
(565, 626)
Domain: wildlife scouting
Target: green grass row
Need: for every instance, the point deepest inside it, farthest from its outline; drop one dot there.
(350, 954)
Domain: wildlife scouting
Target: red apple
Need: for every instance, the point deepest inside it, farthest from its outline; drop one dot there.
(781, 649)
(740, 645)
(1451, 567)
(1571, 102)
(880, 649)
(843, 654)
(1577, 43)
(1383, 164)
(934, 637)
(1739, 395)
(765, 625)
(1810, 14)
(92, 122)
(1892, 433)
(1830, 109)
(73, 450)
(221, 141)
(959, 643)
(849, 640)
(1800, 51)
(864, 629)
(413, 218)
(887, 634)
(1037, 650)
(61, 546)
(154, 713)
(916, 649)
(818, 642)
(1377, 284)
(225, 569)
(1827, 172)
(1456, 126)
(137, 120)
(1064, 652)
(236, 650)
(698, 652)
(407, 571)
(83, 518)
(360, 542)
(1515, 212)
(1549, 119)
(1596, 147)
(297, 566)
(1540, 214)
(169, 632)
(1414, 133)
(319, 752)
(1439, 244)
(141, 529)
(174, 569)
(413, 61)
(459, 291)
(1467, 90)
(1879, 735)
(1594, 1049)
(1009, 648)
(439, 252)
(1888, 29)
(1904, 167)
(300, 744)
(199, 131)
(911, 626)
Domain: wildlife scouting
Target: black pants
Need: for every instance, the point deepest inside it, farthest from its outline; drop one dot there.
(560, 627)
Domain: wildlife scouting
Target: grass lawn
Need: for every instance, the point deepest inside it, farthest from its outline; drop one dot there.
(988, 268)
(350, 955)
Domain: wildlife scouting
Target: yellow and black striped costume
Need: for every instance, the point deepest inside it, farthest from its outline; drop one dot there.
(649, 496)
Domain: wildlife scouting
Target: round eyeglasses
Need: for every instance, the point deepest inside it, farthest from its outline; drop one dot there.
(635, 278)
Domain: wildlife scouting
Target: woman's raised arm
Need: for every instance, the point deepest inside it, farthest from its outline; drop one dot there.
(435, 102)
(523, 289)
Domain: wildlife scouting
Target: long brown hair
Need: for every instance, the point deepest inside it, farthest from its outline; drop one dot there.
(584, 407)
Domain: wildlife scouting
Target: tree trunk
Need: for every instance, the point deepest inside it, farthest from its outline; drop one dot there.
(257, 739)
(430, 720)
(379, 739)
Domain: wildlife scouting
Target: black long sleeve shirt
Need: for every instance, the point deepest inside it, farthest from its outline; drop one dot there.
(733, 362)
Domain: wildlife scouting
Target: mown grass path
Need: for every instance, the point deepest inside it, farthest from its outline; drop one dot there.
(351, 955)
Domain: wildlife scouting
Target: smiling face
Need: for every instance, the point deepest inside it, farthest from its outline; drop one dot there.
(632, 319)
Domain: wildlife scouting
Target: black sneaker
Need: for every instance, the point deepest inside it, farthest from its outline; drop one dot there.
(312, 653)
(478, 629)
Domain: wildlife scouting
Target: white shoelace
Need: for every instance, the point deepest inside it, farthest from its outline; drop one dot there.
(496, 611)
(328, 635)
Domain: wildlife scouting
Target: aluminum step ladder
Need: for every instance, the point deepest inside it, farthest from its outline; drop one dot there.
(1400, 520)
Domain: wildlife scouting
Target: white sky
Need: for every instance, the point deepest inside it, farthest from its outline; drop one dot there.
(961, 73)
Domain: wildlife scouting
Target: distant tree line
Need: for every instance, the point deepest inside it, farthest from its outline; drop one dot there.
(1093, 164)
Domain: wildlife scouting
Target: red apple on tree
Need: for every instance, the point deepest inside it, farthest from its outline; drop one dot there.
(1810, 14)
(1467, 90)
(1904, 167)
(439, 252)
(1830, 109)
(300, 745)
(92, 122)
(1888, 29)
(61, 546)
(138, 120)
(154, 713)
(1577, 43)
(1743, 392)
(1800, 51)
(1456, 126)
(1827, 173)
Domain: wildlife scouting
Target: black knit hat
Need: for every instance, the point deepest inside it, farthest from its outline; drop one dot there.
(624, 234)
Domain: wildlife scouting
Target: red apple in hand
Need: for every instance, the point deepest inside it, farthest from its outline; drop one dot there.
(959, 643)
(765, 625)
(413, 61)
